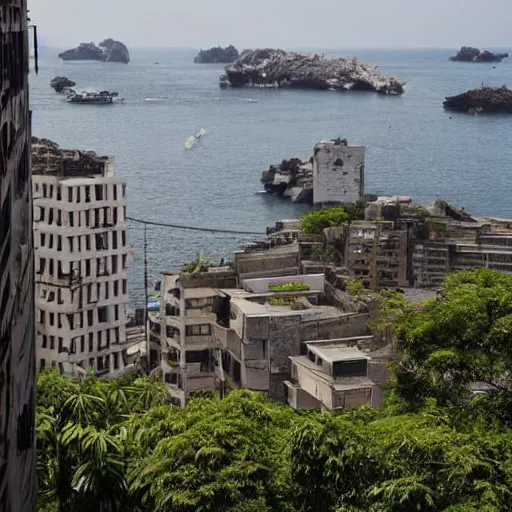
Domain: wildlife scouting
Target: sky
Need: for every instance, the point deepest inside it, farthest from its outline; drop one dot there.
(275, 23)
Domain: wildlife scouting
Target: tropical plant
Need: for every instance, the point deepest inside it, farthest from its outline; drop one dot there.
(316, 221)
(198, 264)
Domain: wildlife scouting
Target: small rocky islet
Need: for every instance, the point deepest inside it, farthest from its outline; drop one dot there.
(275, 68)
(486, 100)
(60, 83)
(217, 55)
(108, 50)
(470, 54)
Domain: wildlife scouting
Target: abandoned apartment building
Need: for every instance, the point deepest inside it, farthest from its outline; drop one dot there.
(400, 244)
(81, 259)
(226, 326)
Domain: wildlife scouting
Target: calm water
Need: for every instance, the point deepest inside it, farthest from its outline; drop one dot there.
(413, 146)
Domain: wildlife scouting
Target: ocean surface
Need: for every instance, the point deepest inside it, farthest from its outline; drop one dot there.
(413, 146)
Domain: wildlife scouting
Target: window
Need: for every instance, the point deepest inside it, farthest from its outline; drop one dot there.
(197, 330)
(77, 194)
(91, 341)
(88, 242)
(59, 320)
(51, 191)
(42, 265)
(50, 242)
(70, 195)
(114, 239)
(41, 214)
(41, 316)
(51, 267)
(52, 319)
(116, 355)
(200, 356)
(106, 291)
(44, 341)
(82, 344)
(114, 191)
(108, 338)
(71, 320)
(43, 239)
(116, 288)
(103, 314)
(89, 293)
(87, 194)
(99, 340)
(59, 243)
(70, 242)
(116, 333)
(123, 238)
(71, 219)
(124, 286)
(114, 264)
(45, 190)
(116, 312)
(87, 268)
(61, 345)
(59, 296)
(90, 317)
(98, 190)
(59, 218)
(42, 364)
(59, 193)
(50, 215)
(124, 261)
(124, 189)
(52, 342)
(114, 219)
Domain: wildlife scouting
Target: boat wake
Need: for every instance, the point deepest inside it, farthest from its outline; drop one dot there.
(153, 100)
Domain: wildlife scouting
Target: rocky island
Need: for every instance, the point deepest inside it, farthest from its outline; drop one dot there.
(271, 68)
(470, 54)
(483, 100)
(59, 83)
(108, 50)
(217, 55)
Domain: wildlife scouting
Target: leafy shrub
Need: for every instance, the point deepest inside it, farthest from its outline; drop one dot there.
(316, 221)
(288, 287)
(355, 287)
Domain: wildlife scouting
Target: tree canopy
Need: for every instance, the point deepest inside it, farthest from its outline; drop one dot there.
(433, 446)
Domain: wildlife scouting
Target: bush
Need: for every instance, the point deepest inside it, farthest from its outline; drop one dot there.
(355, 287)
(288, 287)
(315, 222)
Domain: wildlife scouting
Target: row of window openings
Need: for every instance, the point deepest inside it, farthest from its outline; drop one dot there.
(78, 344)
(198, 330)
(103, 317)
(100, 192)
(101, 267)
(101, 363)
(106, 216)
(93, 293)
(101, 240)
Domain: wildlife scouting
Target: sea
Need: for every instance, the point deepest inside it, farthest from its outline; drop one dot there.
(413, 147)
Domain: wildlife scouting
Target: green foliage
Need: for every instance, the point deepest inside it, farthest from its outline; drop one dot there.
(199, 264)
(316, 221)
(355, 287)
(288, 287)
(463, 337)
(323, 254)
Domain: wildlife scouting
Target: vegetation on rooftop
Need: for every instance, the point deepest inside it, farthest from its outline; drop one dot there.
(288, 287)
(432, 447)
(316, 221)
(200, 263)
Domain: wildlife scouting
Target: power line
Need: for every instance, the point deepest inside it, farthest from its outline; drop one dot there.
(195, 228)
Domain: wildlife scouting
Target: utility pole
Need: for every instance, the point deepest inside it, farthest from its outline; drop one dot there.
(145, 282)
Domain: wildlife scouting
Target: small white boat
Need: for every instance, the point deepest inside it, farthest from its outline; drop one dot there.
(193, 139)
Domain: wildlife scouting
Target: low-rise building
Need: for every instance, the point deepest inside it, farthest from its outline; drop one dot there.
(332, 375)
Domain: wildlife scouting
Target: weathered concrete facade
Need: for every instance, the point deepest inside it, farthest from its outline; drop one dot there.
(81, 261)
(338, 173)
(17, 350)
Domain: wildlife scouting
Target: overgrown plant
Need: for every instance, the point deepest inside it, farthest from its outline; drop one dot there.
(316, 221)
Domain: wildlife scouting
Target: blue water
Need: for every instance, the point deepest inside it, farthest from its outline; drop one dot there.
(413, 146)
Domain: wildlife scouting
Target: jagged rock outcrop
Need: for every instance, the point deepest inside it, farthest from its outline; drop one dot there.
(217, 55)
(270, 68)
(291, 178)
(470, 54)
(59, 83)
(484, 100)
(108, 50)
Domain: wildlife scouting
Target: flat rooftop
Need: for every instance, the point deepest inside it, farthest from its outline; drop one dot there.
(333, 353)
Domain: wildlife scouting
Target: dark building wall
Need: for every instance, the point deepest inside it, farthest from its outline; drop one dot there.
(17, 355)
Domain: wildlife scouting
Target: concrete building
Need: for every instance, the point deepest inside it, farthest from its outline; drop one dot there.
(17, 350)
(333, 375)
(218, 328)
(81, 261)
(338, 172)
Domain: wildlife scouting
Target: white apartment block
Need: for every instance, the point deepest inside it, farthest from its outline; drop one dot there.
(80, 263)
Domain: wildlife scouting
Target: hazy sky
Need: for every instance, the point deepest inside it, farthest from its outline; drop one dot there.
(276, 23)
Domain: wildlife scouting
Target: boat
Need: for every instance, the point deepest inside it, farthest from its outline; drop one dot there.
(192, 140)
(93, 97)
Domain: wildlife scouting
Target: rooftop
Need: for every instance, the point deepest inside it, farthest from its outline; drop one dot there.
(335, 352)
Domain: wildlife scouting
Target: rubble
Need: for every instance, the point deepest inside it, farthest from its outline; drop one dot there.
(271, 68)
